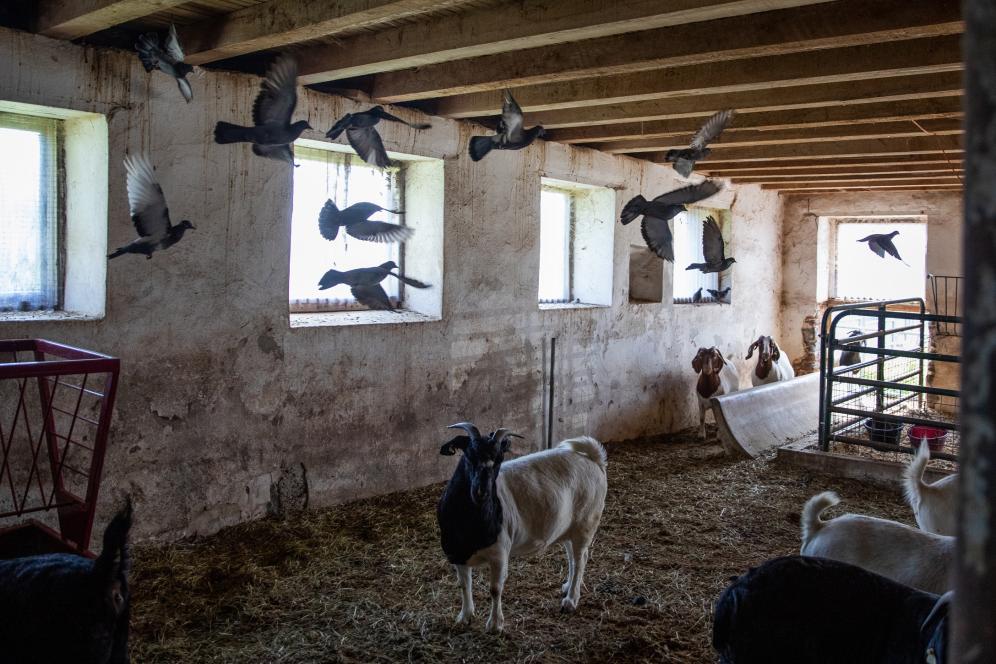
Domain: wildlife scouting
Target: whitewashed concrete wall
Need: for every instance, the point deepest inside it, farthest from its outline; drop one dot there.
(219, 393)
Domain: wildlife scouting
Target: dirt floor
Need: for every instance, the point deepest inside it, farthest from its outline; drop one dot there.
(367, 582)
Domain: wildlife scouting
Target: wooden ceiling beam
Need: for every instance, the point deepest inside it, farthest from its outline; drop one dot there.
(799, 29)
(868, 147)
(512, 27)
(911, 185)
(954, 176)
(885, 90)
(952, 159)
(768, 74)
(832, 170)
(825, 116)
(72, 19)
(281, 22)
(746, 137)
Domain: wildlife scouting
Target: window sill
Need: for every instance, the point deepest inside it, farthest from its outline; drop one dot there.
(44, 316)
(548, 306)
(353, 318)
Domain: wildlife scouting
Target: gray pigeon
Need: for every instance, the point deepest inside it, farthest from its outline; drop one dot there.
(720, 295)
(510, 136)
(148, 212)
(365, 285)
(849, 357)
(657, 212)
(355, 219)
(713, 249)
(168, 59)
(882, 244)
(272, 132)
(362, 134)
(697, 297)
(684, 160)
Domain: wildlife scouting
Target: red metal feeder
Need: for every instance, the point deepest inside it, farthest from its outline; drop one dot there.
(53, 434)
(933, 436)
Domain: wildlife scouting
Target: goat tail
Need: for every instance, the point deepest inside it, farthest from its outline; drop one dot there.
(114, 557)
(913, 483)
(811, 521)
(588, 447)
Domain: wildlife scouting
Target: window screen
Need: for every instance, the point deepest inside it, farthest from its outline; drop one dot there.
(862, 275)
(555, 245)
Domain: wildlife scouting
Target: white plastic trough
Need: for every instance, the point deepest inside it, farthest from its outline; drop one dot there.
(754, 420)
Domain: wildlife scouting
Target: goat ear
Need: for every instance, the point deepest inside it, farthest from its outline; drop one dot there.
(717, 360)
(697, 362)
(775, 352)
(938, 613)
(449, 448)
(750, 351)
(114, 561)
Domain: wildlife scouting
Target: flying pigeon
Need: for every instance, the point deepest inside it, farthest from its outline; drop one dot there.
(882, 244)
(697, 297)
(510, 136)
(356, 220)
(720, 295)
(168, 60)
(684, 159)
(712, 249)
(272, 131)
(365, 285)
(148, 212)
(362, 135)
(656, 213)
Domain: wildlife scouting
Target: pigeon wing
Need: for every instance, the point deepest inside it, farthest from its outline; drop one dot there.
(328, 224)
(874, 243)
(366, 141)
(379, 231)
(173, 50)
(693, 193)
(373, 296)
(658, 237)
(890, 248)
(277, 96)
(415, 283)
(384, 115)
(511, 118)
(278, 152)
(145, 199)
(712, 128)
(712, 242)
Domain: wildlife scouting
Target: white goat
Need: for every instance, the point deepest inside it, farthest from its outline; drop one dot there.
(486, 516)
(894, 550)
(716, 376)
(772, 366)
(935, 506)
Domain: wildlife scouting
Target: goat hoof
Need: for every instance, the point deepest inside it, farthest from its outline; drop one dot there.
(564, 589)
(494, 627)
(464, 619)
(568, 605)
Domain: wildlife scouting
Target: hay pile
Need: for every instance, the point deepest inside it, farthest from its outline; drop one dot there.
(366, 582)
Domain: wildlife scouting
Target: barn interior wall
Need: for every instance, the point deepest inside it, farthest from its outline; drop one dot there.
(223, 407)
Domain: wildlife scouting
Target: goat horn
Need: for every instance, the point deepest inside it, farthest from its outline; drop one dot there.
(468, 427)
(501, 434)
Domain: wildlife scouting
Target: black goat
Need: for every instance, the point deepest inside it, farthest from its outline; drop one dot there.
(802, 610)
(66, 608)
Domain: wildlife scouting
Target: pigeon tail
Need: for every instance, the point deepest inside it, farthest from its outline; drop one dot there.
(480, 146)
(119, 252)
(330, 279)
(698, 266)
(226, 132)
(185, 89)
(633, 209)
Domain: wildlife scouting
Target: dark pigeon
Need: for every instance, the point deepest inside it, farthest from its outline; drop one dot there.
(697, 297)
(362, 134)
(684, 159)
(657, 212)
(510, 136)
(713, 249)
(356, 220)
(272, 132)
(365, 285)
(148, 212)
(882, 244)
(720, 295)
(168, 59)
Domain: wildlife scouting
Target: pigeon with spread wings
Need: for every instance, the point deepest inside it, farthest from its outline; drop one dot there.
(362, 134)
(881, 244)
(148, 212)
(684, 159)
(510, 134)
(167, 59)
(364, 283)
(356, 220)
(272, 132)
(713, 249)
(658, 211)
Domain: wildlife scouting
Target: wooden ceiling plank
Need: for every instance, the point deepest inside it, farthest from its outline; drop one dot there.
(906, 185)
(799, 29)
(951, 159)
(825, 116)
(520, 25)
(924, 189)
(940, 146)
(956, 176)
(767, 74)
(831, 171)
(72, 19)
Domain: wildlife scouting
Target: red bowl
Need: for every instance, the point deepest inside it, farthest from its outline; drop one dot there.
(935, 437)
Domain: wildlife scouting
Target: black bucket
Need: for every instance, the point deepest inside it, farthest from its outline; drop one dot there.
(882, 431)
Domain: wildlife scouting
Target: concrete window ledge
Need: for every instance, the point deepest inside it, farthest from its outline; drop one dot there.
(352, 318)
(547, 306)
(39, 316)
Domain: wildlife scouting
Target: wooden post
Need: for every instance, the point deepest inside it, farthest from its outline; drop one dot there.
(974, 626)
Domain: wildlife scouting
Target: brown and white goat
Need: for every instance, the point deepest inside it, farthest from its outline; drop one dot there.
(772, 366)
(716, 377)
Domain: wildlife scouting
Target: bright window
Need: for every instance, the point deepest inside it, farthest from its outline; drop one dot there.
(555, 245)
(861, 275)
(30, 272)
(688, 249)
(346, 179)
